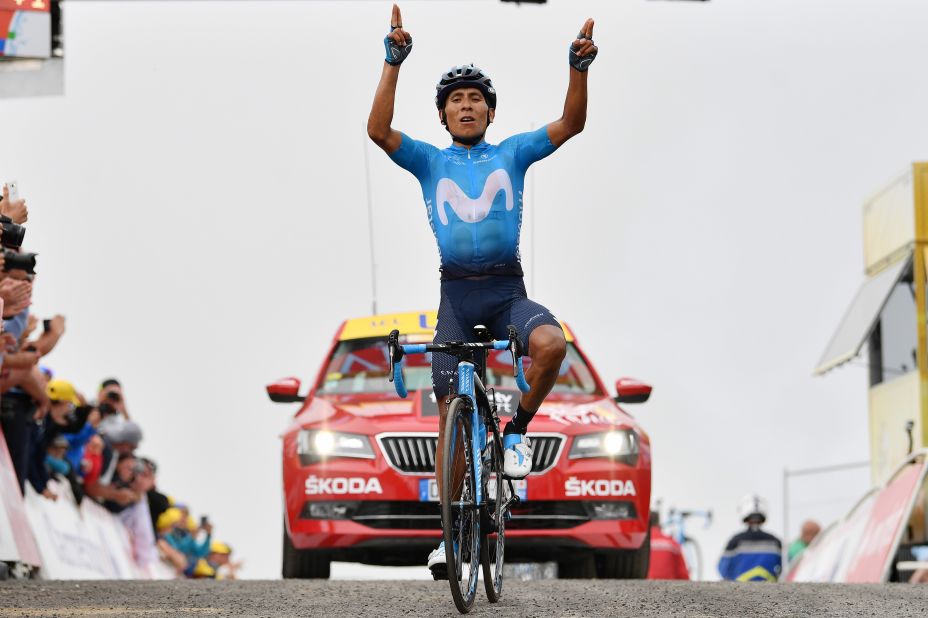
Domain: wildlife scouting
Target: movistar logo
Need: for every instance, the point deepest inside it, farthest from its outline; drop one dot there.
(468, 210)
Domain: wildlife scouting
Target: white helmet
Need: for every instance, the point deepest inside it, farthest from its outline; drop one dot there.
(752, 505)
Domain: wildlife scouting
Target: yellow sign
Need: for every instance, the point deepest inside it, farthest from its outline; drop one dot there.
(415, 324)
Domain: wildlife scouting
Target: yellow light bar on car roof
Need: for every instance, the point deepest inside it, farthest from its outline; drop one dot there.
(414, 322)
(419, 326)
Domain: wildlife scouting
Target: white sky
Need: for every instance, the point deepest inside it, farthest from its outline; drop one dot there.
(198, 201)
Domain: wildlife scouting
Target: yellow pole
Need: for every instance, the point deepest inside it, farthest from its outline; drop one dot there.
(920, 186)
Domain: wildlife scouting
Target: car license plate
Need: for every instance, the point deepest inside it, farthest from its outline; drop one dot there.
(428, 489)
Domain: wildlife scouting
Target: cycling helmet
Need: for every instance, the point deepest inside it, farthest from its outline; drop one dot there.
(464, 76)
(754, 507)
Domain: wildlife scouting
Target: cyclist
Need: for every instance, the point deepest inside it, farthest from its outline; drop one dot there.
(473, 197)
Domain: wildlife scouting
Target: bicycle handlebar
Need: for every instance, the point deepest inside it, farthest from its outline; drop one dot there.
(397, 351)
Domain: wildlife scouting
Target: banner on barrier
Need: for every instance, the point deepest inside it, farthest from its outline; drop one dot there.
(860, 547)
(79, 543)
(16, 541)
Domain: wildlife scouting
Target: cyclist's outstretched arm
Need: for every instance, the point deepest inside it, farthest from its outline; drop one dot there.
(398, 44)
(581, 54)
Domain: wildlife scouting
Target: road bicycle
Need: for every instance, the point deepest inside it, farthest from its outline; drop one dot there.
(476, 501)
(675, 527)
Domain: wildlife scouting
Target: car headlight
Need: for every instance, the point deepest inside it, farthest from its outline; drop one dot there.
(315, 445)
(618, 444)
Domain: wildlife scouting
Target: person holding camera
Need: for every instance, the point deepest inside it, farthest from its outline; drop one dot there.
(16, 209)
(119, 441)
(112, 404)
(67, 413)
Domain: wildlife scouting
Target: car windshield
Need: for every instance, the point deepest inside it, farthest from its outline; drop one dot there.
(363, 366)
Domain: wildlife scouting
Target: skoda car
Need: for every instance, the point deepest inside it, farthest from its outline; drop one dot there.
(358, 462)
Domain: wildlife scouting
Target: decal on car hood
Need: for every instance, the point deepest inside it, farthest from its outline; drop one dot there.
(600, 412)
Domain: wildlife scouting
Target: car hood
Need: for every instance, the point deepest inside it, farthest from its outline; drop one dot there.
(375, 413)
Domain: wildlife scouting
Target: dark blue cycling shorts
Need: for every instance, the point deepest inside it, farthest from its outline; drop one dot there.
(496, 302)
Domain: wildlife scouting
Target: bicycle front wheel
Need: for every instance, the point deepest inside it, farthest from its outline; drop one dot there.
(460, 518)
(496, 494)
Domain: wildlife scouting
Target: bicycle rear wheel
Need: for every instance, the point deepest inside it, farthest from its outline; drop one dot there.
(460, 518)
(492, 549)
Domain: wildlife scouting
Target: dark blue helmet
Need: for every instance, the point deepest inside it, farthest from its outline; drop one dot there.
(464, 76)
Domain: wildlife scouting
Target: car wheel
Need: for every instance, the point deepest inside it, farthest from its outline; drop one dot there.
(626, 564)
(303, 563)
(583, 567)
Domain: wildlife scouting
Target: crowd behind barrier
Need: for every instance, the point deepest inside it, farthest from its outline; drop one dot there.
(77, 500)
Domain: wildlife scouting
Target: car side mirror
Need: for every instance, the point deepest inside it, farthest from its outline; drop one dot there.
(630, 390)
(285, 390)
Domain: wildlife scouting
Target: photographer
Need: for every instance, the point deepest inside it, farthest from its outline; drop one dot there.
(119, 440)
(14, 209)
(111, 394)
(19, 384)
(67, 413)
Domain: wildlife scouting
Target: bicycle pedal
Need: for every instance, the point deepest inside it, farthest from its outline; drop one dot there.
(439, 572)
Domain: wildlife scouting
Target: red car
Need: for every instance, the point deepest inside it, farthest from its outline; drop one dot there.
(358, 463)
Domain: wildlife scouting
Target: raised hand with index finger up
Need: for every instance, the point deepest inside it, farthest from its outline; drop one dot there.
(398, 43)
(582, 50)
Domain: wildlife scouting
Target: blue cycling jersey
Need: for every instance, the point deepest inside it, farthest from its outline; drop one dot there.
(474, 199)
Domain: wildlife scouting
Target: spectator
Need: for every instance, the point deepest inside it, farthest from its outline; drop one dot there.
(77, 442)
(58, 466)
(667, 560)
(809, 531)
(165, 525)
(66, 414)
(92, 461)
(752, 555)
(51, 432)
(176, 535)
(220, 555)
(217, 564)
(112, 403)
(17, 407)
(158, 502)
(123, 478)
(14, 209)
(121, 439)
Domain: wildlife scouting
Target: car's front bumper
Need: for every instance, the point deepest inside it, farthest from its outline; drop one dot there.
(381, 519)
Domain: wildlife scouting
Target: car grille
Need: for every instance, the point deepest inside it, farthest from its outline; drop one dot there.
(415, 453)
(412, 454)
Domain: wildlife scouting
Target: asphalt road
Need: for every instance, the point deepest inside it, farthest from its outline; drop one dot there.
(412, 599)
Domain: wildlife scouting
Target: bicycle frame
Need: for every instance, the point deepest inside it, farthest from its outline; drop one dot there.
(469, 384)
(675, 527)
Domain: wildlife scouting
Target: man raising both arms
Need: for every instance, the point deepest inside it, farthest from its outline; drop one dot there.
(473, 196)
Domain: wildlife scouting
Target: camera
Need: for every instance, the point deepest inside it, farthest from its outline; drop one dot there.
(114, 396)
(106, 409)
(13, 233)
(19, 261)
